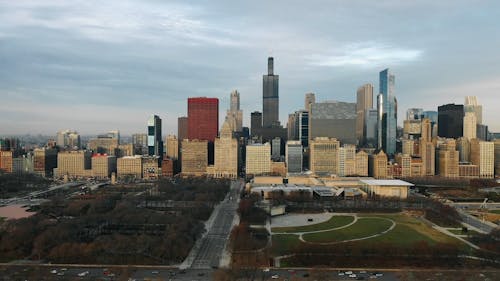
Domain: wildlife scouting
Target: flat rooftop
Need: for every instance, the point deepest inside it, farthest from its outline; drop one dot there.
(387, 182)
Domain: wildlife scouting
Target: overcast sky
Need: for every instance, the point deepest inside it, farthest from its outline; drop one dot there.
(95, 66)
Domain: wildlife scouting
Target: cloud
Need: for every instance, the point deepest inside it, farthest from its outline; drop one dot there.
(366, 54)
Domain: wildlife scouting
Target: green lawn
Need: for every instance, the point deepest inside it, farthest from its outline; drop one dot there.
(283, 244)
(334, 222)
(362, 228)
(495, 211)
(459, 231)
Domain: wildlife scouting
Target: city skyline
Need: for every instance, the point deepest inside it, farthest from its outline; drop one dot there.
(96, 67)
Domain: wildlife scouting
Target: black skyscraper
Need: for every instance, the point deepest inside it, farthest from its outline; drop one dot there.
(451, 121)
(270, 106)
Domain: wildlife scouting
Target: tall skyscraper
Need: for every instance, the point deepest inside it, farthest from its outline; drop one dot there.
(270, 96)
(293, 156)
(364, 101)
(234, 114)
(482, 153)
(471, 105)
(255, 122)
(470, 125)
(387, 108)
(68, 139)
(182, 128)
(310, 98)
(450, 120)
(155, 143)
(203, 118)
(226, 154)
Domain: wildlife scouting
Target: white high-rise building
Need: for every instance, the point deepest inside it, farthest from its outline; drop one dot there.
(234, 114)
(470, 123)
(471, 105)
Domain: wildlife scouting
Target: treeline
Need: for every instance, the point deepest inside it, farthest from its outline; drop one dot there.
(193, 189)
(421, 254)
(14, 185)
(83, 231)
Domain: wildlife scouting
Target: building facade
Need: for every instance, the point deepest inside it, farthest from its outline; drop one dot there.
(293, 156)
(258, 159)
(324, 155)
(194, 157)
(155, 142)
(364, 101)
(226, 154)
(270, 96)
(387, 112)
(203, 118)
(333, 120)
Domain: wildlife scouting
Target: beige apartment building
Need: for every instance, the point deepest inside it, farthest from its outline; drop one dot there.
(44, 161)
(404, 164)
(347, 160)
(362, 164)
(129, 166)
(324, 153)
(258, 159)
(428, 156)
(482, 153)
(172, 144)
(103, 166)
(226, 154)
(194, 157)
(75, 164)
(448, 159)
(377, 165)
(150, 169)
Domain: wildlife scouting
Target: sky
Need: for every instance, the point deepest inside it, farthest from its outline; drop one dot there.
(95, 66)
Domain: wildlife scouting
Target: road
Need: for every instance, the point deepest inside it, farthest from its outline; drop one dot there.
(207, 252)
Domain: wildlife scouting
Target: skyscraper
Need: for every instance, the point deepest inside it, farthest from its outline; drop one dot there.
(310, 98)
(226, 154)
(293, 156)
(414, 113)
(182, 128)
(470, 123)
(471, 105)
(234, 114)
(203, 118)
(270, 96)
(364, 101)
(450, 120)
(333, 119)
(387, 108)
(155, 143)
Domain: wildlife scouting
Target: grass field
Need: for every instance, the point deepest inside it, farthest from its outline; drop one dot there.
(406, 233)
(334, 222)
(362, 228)
(495, 211)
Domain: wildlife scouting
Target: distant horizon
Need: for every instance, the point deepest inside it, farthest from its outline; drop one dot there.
(93, 66)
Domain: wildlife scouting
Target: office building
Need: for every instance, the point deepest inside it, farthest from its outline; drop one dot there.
(450, 120)
(203, 118)
(362, 164)
(482, 153)
(103, 166)
(448, 159)
(270, 96)
(426, 129)
(370, 128)
(324, 155)
(6, 161)
(74, 164)
(255, 122)
(293, 156)
(404, 162)
(104, 145)
(463, 147)
(140, 143)
(471, 105)
(182, 128)
(172, 147)
(258, 159)
(377, 165)
(414, 114)
(167, 167)
(309, 99)
(408, 146)
(235, 114)
(44, 161)
(387, 112)
(276, 149)
(428, 156)
(334, 120)
(194, 157)
(364, 102)
(150, 170)
(155, 142)
(291, 127)
(226, 154)
(482, 132)
(470, 125)
(497, 156)
(129, 167)
(68, 139)
(347, 160)
(412, 129)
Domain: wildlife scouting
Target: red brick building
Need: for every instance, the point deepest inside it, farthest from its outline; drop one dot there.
(203, 118)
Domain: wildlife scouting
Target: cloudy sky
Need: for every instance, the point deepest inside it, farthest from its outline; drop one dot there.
(95, 66)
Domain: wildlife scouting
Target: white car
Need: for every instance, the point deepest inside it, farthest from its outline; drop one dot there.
(348, 272)
(53, 271)
(341, 274)
(275, 276)
(352, 275)
(266, 270)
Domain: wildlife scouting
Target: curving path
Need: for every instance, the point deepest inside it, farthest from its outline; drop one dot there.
(301, 238)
